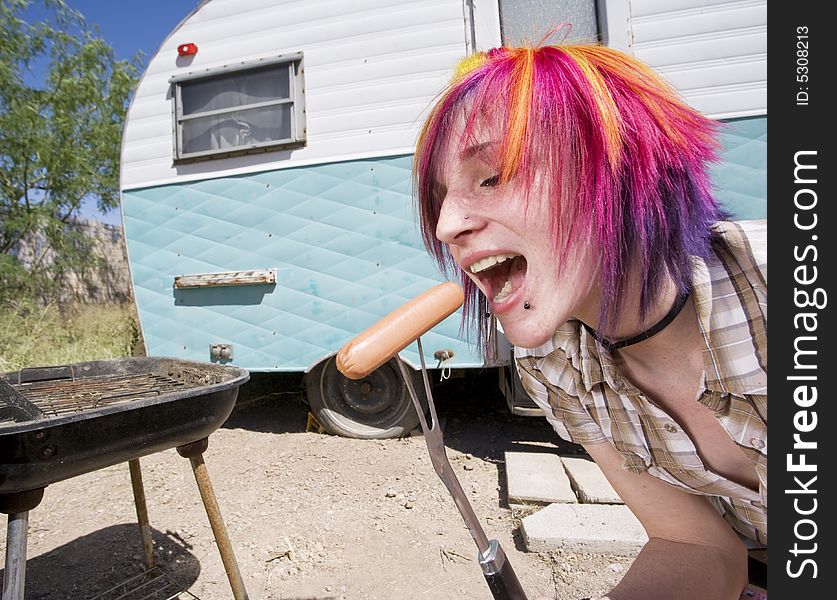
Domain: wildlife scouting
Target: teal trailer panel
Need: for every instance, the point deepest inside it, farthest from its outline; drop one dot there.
(342, 237)
(740, 178)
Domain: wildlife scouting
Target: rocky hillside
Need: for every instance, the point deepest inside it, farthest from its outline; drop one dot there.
(110, 283)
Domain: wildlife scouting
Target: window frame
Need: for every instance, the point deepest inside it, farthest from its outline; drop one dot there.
(298, 133)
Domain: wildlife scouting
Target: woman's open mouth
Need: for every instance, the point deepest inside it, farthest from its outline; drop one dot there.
(500, 275)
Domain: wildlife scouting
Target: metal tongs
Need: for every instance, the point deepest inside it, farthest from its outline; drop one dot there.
(498, 571)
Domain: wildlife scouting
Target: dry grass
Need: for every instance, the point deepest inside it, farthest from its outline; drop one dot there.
(33, 335)
(521, 511)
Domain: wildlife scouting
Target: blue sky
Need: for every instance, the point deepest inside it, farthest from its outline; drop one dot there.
(130, 26)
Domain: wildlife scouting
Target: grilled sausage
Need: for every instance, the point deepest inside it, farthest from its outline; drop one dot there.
(374, 346)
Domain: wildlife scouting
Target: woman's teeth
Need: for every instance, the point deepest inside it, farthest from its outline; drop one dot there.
(491, 273)
(505, 292)
(489, 261)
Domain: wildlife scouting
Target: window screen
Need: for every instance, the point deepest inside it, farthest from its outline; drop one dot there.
(245, 110)
(527, 22)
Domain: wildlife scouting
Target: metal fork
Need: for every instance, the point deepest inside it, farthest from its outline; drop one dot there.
(498, 572)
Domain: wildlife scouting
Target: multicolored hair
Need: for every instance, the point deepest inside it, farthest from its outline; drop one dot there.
(625, 161)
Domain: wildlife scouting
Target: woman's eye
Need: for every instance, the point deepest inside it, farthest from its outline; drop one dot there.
(491, 181)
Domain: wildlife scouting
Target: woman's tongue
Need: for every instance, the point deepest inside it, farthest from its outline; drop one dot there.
(506, 278)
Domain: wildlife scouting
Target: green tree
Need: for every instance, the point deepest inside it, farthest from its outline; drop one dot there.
(63, 99)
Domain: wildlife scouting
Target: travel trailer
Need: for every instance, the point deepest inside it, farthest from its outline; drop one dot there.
(266, 170)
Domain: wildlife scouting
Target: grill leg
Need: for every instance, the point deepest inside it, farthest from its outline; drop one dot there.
(142, 512)
(14, 579)
(17, 506)
(194, 452)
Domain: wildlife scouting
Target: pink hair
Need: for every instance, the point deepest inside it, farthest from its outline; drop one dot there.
(625, 158)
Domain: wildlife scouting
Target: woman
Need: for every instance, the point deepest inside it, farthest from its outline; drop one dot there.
(568, 187)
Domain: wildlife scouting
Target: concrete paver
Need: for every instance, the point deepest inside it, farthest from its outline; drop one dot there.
(598, 528)
(589, 483)
(537, 478)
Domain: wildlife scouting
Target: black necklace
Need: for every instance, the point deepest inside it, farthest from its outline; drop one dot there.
(653, 330)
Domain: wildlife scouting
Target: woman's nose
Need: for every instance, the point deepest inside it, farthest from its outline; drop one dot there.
(455, 223)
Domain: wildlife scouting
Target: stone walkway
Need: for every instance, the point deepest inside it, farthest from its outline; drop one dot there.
(582, 512)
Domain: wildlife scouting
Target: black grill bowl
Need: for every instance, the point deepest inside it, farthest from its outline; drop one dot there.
(139, 406)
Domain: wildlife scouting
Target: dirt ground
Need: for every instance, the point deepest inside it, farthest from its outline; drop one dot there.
(310, 515)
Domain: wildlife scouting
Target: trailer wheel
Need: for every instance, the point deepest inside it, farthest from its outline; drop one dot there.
(375, 407)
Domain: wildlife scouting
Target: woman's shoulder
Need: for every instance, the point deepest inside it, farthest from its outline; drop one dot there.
(746, 241)
(743, 235)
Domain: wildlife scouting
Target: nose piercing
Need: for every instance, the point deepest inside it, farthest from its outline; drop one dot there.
(527, 306)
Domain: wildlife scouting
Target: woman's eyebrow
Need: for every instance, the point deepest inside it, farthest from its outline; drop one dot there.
(475, 149)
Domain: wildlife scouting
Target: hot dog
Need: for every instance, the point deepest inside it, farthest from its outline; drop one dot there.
(374, 346)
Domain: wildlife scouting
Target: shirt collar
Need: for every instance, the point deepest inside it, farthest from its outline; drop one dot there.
(587, 355)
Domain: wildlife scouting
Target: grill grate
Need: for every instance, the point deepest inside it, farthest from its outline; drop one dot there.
(56, 398)
(153, 584)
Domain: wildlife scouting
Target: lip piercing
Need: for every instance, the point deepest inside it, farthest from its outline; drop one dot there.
(465, 217)
(527, 306)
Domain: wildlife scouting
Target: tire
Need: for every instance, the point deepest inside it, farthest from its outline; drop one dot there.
(375, 407)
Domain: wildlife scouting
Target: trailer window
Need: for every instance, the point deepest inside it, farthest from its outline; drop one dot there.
(239, 111)
(526, 22)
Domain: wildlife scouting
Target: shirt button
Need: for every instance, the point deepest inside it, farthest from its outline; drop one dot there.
(670, 428)
(757, 443)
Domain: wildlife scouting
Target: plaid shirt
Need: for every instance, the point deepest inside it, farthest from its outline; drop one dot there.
(585, 398)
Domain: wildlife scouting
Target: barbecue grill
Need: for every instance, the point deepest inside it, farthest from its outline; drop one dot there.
(60, 422)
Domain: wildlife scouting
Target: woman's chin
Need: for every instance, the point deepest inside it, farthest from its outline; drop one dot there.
(523, 336)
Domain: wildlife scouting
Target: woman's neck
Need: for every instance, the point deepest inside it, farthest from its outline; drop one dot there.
(666, 341)
(674, 344)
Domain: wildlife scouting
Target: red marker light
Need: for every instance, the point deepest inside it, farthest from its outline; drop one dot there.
(187, 49)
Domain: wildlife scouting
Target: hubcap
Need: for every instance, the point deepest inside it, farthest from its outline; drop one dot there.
(373, 394)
